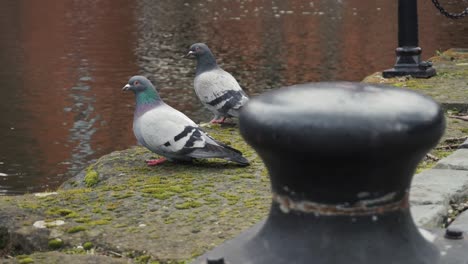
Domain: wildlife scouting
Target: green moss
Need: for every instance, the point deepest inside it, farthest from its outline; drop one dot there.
(153, 190)
(179, 189)
(247, 175)
(252, 203)
(98, 222)
(191, 195)
(83, 220)
(169, 262)
(142, 259)
(162, 190)
(224, 213)
(24, 259)
(55, 243)
(76, 229)
(162, 196)
(169, 220)
(88, 245)
(113, 206)
(123, 195)
(424, 165)
(29, 205)
(91, 178)
(211, 200)
(115, 188)
(231, 198)
(74, 251)
(73, 183)
(97, 210)
(132, 229)
(67, 213)
(188, 204)
(450, 74)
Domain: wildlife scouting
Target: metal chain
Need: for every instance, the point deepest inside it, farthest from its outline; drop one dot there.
(448, 14)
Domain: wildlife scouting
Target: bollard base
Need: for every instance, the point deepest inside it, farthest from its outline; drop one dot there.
(414, 71)
(285, 238)
(409, 63)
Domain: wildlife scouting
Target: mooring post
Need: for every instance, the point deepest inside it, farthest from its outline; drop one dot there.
(408, 53)
(340, 157)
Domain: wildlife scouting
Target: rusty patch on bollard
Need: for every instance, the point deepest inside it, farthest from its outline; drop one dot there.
(363, 207)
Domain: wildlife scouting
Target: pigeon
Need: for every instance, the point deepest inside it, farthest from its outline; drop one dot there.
(168, 132)
(218, 91)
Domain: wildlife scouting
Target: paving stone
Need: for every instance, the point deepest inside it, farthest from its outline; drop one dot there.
(461, 222)
(456, 161)
(438, 186)
(428, 216)
(464, 145)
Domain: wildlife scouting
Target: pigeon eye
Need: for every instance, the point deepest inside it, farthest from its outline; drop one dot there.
(136, 83)
(197, 49)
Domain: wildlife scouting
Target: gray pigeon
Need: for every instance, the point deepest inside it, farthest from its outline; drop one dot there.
(169, 133)
(216, 88)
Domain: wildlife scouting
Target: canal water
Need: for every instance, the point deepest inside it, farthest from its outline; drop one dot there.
(63, 63)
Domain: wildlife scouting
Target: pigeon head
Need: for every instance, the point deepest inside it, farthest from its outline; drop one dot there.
(198, 50)
(205, 59)
(138, 84)
(143, 89)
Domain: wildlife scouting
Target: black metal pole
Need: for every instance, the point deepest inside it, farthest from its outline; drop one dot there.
(407, 23)
(408, 53)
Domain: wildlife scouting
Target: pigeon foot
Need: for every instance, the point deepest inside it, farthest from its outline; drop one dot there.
(155, 162)
(218, 121)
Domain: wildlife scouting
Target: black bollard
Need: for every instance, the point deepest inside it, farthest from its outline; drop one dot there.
(408, 53)
(341, 157)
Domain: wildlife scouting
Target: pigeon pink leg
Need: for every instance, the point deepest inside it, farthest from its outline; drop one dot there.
(218, 121)
(155, 162)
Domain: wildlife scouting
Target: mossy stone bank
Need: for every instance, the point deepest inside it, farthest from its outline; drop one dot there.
(120, 207)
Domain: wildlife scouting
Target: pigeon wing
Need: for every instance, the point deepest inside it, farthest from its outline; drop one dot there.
(220, 92)
(165, 130)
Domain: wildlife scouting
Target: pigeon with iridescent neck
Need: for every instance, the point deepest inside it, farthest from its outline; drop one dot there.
(168, 132)
(218, 91)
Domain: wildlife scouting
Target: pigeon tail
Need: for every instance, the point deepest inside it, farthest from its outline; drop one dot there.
(234, 155)
(239, 159)
(220, 151)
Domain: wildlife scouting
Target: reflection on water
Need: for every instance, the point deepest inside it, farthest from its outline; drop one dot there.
(84, 126)
(62, 64)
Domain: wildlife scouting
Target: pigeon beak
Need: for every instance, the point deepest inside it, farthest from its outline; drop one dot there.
(190, 54)
(126, 87)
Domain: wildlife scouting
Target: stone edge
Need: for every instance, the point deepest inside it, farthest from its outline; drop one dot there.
(430, 201)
